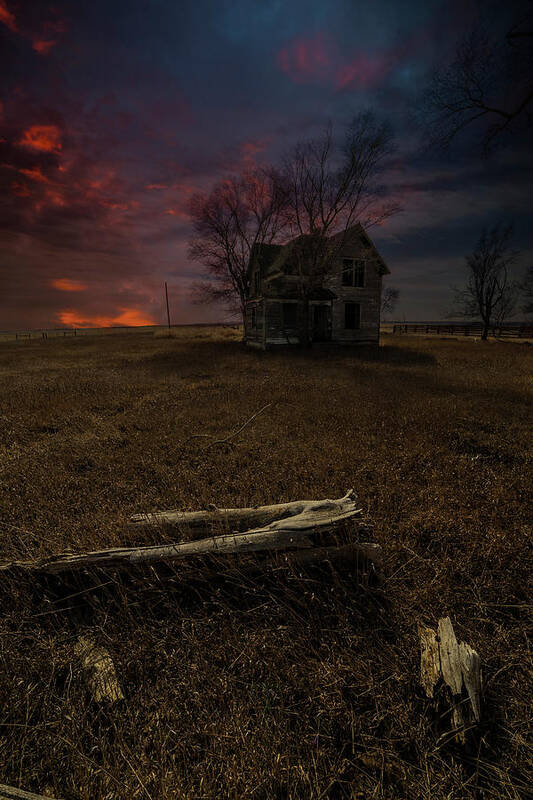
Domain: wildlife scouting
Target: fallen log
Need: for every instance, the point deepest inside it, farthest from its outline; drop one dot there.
(252, 518)
(11, 793)
(289, 533)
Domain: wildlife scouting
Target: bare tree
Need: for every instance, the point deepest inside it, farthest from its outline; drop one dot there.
(240, 213)
(490, 293)
(526, 288)
(389, 298)
(489, 84)
(329, 187)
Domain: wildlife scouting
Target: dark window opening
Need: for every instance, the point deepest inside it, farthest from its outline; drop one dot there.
(257, 282)
(254, 317)
(290, 315)
(352, 316)
(353, 272)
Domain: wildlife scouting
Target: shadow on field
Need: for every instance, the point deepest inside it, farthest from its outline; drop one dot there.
(185, 359)
(392, 354)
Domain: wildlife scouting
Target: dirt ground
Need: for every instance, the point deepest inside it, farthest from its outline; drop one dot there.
(294, 684)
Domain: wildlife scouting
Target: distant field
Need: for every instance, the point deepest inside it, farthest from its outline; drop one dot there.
(194, 331)
(294, 687)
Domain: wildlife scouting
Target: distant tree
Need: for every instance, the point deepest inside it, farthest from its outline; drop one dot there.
(489, 84)
(526, 288)
(490, 293)
(389, 298)
(330, 186)
(240, 212)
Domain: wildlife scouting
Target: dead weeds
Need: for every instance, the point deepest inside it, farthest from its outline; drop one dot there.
(284, 684)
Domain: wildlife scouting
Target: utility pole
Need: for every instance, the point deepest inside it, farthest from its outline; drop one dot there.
(168, 312)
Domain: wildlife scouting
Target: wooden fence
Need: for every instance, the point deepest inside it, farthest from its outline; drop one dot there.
(524, 331)
(44, 334)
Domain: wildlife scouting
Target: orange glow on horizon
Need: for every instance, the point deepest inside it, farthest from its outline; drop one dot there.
(131, 317)
(68, 285)
(45, 138)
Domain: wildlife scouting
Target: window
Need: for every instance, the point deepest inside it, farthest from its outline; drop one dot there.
(352, 316)
(257, 282)
(290, 315)
(353, 272)
(254, 317)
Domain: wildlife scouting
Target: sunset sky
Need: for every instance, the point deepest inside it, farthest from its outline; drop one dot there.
(113, 113)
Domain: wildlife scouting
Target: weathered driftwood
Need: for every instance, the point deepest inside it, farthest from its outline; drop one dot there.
(302, 511)
(99, 670)
(457, 664)
(429, 659)
(10, 793)
(293, 531)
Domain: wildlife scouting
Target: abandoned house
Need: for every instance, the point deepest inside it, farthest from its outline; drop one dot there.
(341, 302)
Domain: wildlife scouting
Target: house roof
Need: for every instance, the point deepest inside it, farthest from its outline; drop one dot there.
(264, 255)
(273, 259)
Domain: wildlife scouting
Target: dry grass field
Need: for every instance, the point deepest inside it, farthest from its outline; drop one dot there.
(295, 684)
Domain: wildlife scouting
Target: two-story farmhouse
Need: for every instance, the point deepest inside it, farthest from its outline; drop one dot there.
(343, 307)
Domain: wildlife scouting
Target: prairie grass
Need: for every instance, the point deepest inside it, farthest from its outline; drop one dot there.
(289, 684)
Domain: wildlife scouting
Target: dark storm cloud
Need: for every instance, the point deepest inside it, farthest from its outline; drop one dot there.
(113, 115)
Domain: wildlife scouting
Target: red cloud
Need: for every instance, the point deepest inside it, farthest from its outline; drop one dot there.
(7, 17)
(43, 46)
(306, 59)
(128, 316)
(318, 59)
(35, 174)
(41, 43)
(251, 149)
(20, 189)
(55, 197)
(45, 138)
(113, 205)
(68, 285)
(364, 71)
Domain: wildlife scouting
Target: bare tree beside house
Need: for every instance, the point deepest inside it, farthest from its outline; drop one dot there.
(490, 292)
(240, 214)
(330, 187)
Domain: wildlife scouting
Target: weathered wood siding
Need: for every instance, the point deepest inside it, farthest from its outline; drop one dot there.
(275, 332)
(254, 336)
(368, 297)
